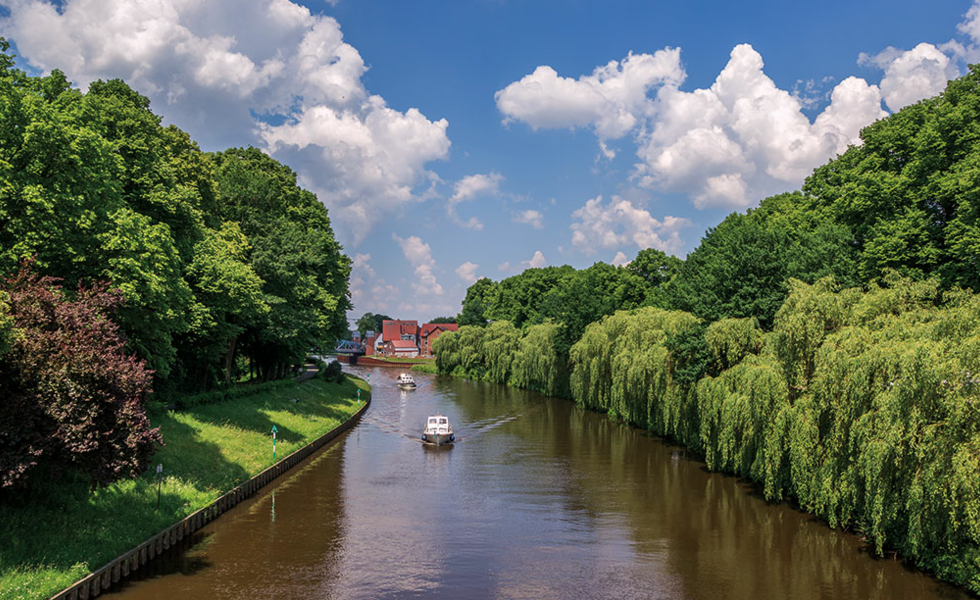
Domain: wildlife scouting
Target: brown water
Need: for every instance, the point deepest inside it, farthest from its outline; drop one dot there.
(537, 499)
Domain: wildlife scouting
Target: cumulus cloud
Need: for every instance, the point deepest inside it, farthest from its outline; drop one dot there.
(467, 271)
(744, 138)
(611, 100)
(621, 260)
(537, 261)
(619, 223)
(468, 188)
(210, 67)
(727, 145)
(912, 75)
(530, 217)
(419, 254)
(471, 186)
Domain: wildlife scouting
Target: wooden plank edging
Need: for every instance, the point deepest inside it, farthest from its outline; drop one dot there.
(128, 563)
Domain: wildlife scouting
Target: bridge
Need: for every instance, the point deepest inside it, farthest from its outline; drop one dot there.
(350, 349)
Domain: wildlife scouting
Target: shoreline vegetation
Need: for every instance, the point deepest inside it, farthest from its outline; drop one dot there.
(61, 530)
(825, 345)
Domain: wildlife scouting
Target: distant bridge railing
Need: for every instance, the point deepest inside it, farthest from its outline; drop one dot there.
(350, 348)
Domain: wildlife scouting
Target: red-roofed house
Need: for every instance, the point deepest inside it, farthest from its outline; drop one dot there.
(402, 348)
(429, 333)
(395, 329)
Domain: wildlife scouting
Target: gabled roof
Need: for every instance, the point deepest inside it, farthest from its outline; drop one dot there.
(428, 328)
(403, 344)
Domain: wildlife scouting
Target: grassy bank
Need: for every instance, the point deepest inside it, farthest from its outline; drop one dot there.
(401, 359)
(429, 367)
(60, 531)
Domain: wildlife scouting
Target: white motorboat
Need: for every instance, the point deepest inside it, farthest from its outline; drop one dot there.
(438, 431)
(406, 382)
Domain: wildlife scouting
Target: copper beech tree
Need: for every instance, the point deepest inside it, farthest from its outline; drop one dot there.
(73, 398)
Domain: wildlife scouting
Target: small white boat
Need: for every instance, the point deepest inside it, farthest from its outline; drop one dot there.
(406, 381)
(438, 431)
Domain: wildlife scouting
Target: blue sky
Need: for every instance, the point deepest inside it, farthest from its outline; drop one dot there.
(454, 140)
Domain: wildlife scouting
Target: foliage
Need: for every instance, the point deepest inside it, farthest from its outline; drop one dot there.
(478, 352)
(94, 188)
(742, 265)
(293, 251)
(334, 372)
(444, 320)
(475, 303)
(74, 399)
(538, 365)
(731, 340)
(909, 193)
(622, 365)
(371, 322)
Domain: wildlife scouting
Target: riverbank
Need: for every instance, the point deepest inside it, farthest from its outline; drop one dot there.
(387, 361)
(867, 422)
(59, 532)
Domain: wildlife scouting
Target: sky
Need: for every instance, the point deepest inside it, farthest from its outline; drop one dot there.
(453, 140)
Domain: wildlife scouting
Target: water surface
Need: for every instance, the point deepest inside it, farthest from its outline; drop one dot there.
(537, 499)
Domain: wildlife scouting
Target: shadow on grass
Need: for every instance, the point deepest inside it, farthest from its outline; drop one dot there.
(58, 523)
(311, 399)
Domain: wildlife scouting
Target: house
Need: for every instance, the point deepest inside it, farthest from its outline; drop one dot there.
(406, 338)
(402, 348)
(429, 333)
(396, 329)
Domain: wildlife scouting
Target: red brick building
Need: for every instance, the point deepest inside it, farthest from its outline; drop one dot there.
(409, 337)
(429, 333)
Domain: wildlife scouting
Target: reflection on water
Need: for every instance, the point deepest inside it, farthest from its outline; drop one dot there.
(537, 499)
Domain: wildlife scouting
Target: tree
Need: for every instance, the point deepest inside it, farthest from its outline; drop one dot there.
(74, 398)
(443, 320)
(655, 266)
(475, 303)
(293, 251)
(371, 322)
(741, 267)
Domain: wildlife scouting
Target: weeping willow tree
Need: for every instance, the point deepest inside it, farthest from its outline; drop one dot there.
(621, 365)
(537, 365)
(478, 352)
(887, 435)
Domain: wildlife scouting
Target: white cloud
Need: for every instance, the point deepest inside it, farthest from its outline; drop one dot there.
(361, 264)
(611, 100)
(467, 271)
(504, 266)
(727, 145)
(530, 217)
(537, 261)
(621, 260)
(472, 186)
(619, 223)
(209, 67)
(744, 138)
(419, 254)
(914, 75)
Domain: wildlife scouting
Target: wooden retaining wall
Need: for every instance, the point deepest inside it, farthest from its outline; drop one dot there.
(120, 568)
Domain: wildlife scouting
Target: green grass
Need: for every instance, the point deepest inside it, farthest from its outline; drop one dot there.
(59, 531)
(429, 367)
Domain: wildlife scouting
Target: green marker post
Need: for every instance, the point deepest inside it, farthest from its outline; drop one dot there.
(274, 430)
(358, 395)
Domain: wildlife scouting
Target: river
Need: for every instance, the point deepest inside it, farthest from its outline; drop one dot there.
(537, 499)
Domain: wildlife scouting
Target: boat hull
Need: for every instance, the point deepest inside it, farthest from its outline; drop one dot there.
(407, 386)
(439, 439)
